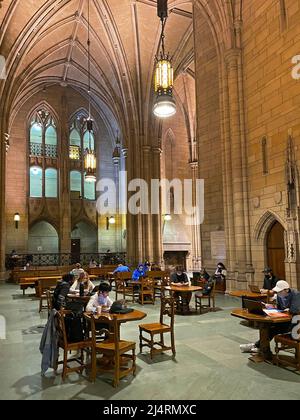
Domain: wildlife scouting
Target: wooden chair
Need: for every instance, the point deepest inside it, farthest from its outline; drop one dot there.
(124, 286)
(49, 301)
(115, 352)
(146, 291)
(43, 286)
(284, 342)
(68, 347)
(167, 309)
(200, 298)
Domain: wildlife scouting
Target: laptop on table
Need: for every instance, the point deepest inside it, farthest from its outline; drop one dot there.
(254, 307)
(254, 288)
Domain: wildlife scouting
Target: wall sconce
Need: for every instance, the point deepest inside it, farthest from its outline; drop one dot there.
(16, 220)
(167, 217)
(110, 221)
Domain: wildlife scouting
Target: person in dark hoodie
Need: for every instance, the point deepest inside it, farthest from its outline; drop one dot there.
(61, 291)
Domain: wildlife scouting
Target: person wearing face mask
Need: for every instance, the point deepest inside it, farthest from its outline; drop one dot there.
(138, 272)
(220, 277)
(270, 280)
(287, 299)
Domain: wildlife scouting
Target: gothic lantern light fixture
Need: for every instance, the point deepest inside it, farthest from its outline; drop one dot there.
(164, 105)
(167, 217)
(90, 163)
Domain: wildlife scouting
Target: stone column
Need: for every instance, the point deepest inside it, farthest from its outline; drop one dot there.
(146, 218)
(157, 218)
(196, 229)
(236, 173)
(64, 180)
(118, 217)
(2, 204)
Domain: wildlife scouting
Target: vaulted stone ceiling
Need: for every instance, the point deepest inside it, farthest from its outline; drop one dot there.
(45, 43)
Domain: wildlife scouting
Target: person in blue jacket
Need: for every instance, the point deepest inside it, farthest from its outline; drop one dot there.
(121, 269)
(138, 272)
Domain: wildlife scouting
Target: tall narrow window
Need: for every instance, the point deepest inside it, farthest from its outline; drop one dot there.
(36, 182)
(51, 183)
(89, 190)
(86, 141)
(283, 15)
(51, 142)
(264, 155)
(75, 184)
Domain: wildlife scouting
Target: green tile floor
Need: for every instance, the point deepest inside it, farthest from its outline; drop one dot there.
(208, 366)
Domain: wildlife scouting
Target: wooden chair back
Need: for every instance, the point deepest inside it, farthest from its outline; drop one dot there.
(146, 292)
(114, 351)
(167, 309)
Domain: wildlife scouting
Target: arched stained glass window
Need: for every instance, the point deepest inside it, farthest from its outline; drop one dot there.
(89, 190)
(36, 182)
(51, 136)
(86, 141)
(51, 183)
(75, 184)
(36, 133)
(75, 138)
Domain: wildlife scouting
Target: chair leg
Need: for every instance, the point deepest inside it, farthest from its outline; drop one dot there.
(117, 371)
(162, 339)
(93, 366)
(133, 362)
(141, 340)
(64, 373)
(152, 346)
(173, 343)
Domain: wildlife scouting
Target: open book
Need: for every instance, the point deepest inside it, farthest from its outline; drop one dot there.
(276, 313)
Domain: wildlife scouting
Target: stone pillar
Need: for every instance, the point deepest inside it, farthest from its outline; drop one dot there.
(146, 218)
(2, 203)
(118, 217)
(134, 243)
(196, 229)
(64, 179)
(237, 213)
(157, 255)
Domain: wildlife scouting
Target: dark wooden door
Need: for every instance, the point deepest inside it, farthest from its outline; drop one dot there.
(75, 251)
(275, 250)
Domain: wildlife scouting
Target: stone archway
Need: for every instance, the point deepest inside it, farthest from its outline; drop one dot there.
(265, 246)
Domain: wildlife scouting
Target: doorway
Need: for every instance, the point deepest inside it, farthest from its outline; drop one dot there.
(75, 251)
(276, 250)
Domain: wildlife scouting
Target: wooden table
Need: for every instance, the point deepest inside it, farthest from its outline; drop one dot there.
(182, 292)
(246, 294)
(135, 315)
(264, 323)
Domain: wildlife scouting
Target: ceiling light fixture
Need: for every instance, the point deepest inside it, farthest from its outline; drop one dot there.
(164, 105)
(90, 163)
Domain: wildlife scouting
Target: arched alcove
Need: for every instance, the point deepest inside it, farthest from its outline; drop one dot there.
(43, 239)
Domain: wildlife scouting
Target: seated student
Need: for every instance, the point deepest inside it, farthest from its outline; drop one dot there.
(88, 285)
(61, 291)
(288, 300)
(207, 288)
(204, 276)
(101, 298)
(122, 268)
(138, 272)
(179, 277)
(92, 263)
(77, 270)
(147, 266)
(270, 280)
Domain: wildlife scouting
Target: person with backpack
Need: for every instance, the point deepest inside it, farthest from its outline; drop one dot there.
(61, 291)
